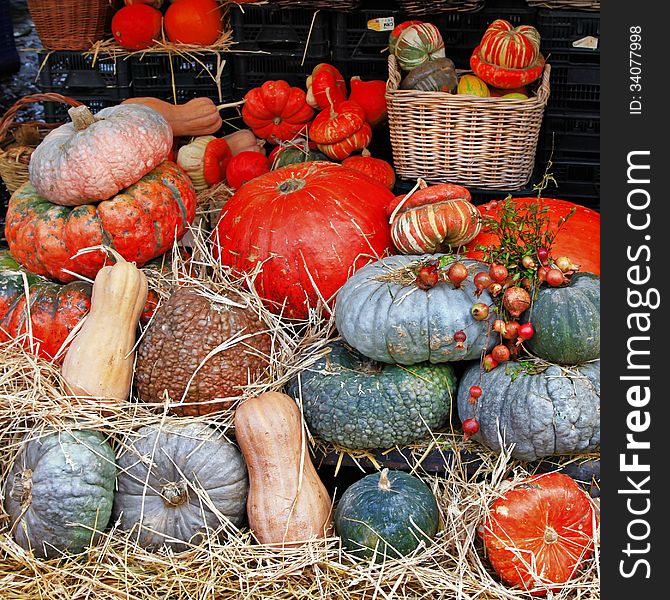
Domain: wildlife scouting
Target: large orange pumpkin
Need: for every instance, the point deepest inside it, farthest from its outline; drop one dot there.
(578, 238)
(195, 22)
(310, 224)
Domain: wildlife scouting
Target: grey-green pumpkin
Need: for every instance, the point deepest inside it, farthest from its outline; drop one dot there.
(567, 321)
(386, 317)
(176, 480)
(60, 492)
(544, 410)
(386, 515)
(358, 403)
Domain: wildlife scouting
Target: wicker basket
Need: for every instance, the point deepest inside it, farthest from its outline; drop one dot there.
(319, 4)
(70, 24)
(421, 7)
(486, 143)
(18, 140)
(566, 4)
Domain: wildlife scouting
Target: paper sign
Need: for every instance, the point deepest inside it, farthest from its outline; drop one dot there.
(382, 24)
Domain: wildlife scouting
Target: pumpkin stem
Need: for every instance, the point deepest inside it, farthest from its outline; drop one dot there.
(384, 482)
(550, 535)
(174, 494)
(366, 153)
(290, 185)
(81, 117)
(422, 184)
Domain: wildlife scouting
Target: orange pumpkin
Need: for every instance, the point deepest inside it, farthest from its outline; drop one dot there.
(341, 130)
(195, 22)
(136, 27)
(376, 168)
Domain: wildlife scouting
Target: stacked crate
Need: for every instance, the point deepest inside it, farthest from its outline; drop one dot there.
(570, 135)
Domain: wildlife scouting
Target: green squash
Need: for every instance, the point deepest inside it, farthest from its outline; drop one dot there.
(386, 514)
(544, 410)
(292, 155)
(437, 75)
(567, 321)
(60, 492)
(392, 320)
(417, 44)
(362, 404)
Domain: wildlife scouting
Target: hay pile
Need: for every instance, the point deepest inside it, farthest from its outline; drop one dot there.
(228, 563)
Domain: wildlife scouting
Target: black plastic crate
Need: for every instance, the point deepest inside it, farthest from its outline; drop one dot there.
(272, 28)
(462, 31)
(575, 88)
(363, 68)
(55, 112)
(353, 40)
(560, 28)
(478, 196)
(578, 182)
(569, 136)
(252, 70)
(71, 73)
(178, 79)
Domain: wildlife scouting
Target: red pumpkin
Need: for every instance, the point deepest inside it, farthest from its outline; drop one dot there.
(140, 223)
(395, 34)
(153, 3)
(54, 308)
(310, 224)
(197, 22)
(433, 219)
(507, 46)
(244, 167)
(578, 238)
(504, 77)
(371, 96)
(215, 161)
(275, 111)
(136, 27)
(539, 533)
(341, 130)
(325, 85)
(377, 169)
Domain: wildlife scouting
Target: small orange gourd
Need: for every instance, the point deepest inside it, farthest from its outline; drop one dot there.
(287, 503)
(99, 361)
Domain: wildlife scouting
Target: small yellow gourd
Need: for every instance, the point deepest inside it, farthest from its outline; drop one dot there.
(99, 361)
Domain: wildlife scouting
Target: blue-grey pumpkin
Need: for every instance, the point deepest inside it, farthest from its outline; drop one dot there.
(543, 410)
(396, 322)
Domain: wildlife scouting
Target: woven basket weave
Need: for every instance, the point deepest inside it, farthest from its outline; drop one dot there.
(320, 4)
(566, 4)
(70, 24)
(422, 7)
(18, 140)
(486, 143)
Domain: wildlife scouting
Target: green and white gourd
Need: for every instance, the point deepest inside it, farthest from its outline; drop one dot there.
(386, 515)
(361, 404)
(177, 480)
(60, 491)
(399, 323)
(418, 44)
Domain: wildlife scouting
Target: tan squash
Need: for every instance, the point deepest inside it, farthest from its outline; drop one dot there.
(99, 361)
(286, 505)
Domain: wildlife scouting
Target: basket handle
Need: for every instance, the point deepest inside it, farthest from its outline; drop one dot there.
(8, 118)
(543, 90)
(394, 74)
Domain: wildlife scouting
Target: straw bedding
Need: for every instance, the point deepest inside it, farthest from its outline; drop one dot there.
(228, 563)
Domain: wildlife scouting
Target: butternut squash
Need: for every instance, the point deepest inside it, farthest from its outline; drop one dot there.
(198, 116)
(99, 361)
(287, 503)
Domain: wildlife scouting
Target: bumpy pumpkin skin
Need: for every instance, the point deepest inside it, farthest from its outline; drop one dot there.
(124, 143)
(567, 321)
(379, 515)
(184, 330)
(140, 223)
(395, 323)
(168, 496)
(59, 480)
(550, 413)
(361, 404)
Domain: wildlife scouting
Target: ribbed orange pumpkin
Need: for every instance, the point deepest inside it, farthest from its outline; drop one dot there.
(341, 130)
(375, 168)
(433, 219)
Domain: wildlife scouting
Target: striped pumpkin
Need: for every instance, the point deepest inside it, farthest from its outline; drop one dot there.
(433, 219)
(512, 47)
(418, 44)
(340, 131)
